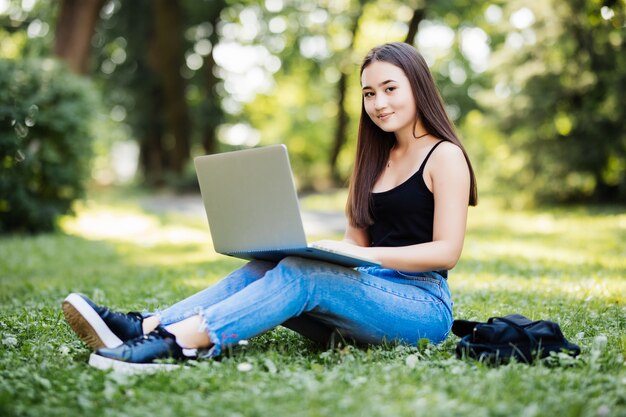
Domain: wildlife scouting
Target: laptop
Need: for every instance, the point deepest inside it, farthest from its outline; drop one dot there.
(253, 210)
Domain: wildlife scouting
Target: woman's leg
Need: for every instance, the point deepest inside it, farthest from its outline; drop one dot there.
(192, 305)
(360, 306)
(189, 332)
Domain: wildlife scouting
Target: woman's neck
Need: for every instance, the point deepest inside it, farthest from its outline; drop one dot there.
(409, 137)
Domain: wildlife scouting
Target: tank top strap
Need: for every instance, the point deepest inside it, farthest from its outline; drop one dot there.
(428, 155)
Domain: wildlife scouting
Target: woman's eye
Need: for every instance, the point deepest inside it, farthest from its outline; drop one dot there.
(390, 89)
(368, 94)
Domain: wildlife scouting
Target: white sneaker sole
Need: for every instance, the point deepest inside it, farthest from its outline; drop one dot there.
(106, 364)
(87, 324)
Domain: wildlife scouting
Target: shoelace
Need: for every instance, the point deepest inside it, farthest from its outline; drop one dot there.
(134, 315)
(152, 336)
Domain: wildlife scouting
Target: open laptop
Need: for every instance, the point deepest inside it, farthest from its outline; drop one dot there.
(252, 207)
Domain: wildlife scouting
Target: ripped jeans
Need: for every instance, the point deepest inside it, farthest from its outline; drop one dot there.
(367, 305)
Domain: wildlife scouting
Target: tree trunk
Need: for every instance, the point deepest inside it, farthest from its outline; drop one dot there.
(151, 158)
(343, 119)
(151, 151)
(340, 131)
(214, 110)
(75, 26)
(418, 16)
(167, 57)
(214, 113)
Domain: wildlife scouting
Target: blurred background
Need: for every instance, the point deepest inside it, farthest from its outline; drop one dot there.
(103, 93)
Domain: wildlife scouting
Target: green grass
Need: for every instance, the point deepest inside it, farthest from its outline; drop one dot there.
(566, 265)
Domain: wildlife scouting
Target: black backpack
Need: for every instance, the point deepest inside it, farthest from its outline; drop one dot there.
(513, 336)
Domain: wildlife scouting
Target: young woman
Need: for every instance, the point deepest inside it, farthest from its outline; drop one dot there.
(407, 207)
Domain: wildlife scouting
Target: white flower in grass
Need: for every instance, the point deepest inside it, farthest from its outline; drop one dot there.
(270, 365)
(244, 367)
(64, 350)
(599, 342)
(411, 361)
(9, 341)
(243, 342)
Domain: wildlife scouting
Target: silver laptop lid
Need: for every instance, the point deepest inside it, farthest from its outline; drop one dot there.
(250, 200)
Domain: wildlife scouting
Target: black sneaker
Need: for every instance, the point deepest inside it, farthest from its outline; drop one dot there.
(142, 353)
(98, 326)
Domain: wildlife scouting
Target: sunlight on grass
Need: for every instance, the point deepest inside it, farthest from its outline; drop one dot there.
(108, 223)
(542, 253)
(556, 253)
(143, 237)
(611, 291)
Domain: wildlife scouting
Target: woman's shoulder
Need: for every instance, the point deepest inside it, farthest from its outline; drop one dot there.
(447, 150)
(447, 160)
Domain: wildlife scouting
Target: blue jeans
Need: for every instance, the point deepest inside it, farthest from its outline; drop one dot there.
(367, 305)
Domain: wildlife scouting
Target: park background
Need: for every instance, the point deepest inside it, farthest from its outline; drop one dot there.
(104, 104)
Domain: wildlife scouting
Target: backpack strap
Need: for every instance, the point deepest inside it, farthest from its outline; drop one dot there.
(521, 329)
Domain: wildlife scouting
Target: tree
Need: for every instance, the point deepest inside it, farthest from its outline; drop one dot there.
(564, 99)
(166, 57)
(418, 15)
(204, 20)
(141, 54)
(75, 26)
(345, 67)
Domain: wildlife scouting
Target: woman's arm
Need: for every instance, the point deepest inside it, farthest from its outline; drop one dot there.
(356, 236)
(447, 175)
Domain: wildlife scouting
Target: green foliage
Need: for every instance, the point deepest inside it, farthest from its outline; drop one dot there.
(301, 119)
(563, 265)
(45, 143)
(565, 111)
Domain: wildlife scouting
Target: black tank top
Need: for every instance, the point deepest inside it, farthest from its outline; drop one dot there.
(404, 215)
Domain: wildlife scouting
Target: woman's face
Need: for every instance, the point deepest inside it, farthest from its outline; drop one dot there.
(388, 98)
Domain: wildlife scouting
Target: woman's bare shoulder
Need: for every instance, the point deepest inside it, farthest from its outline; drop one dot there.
(448, 152)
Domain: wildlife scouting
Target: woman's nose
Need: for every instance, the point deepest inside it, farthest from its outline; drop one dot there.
(380, 102)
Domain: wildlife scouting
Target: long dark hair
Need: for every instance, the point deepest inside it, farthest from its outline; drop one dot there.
(374, 144)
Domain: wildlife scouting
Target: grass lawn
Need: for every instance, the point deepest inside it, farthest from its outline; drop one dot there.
(565, 265)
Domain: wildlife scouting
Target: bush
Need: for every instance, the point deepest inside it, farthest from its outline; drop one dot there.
(45, 143)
